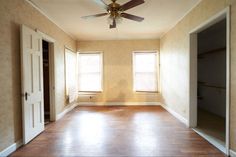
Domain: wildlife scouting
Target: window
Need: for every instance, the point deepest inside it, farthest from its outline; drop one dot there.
(145, 71)
(90, 72)
(70, 66)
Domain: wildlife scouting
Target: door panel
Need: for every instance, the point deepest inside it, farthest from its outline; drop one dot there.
(32, 81)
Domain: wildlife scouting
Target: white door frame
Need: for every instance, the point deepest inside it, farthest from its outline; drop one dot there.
(193, 70)
(51, 42)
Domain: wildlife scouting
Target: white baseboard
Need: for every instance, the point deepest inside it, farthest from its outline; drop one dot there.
(68, 109)
(11, 149)
(175, 114)
(119, 103)
(232, 153)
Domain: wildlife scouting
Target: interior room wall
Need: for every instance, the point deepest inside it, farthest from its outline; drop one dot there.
(13, 13)
(175, 56)
(118, 75)
(212, 69)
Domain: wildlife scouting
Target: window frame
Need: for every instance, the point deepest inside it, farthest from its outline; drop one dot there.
(156, 52)
(101, 65)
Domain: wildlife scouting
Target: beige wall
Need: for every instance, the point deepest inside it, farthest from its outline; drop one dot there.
(175, 59)
(12, 14)
(117, 58)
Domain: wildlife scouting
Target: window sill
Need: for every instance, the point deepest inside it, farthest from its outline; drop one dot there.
(146, 92)
(89, 93)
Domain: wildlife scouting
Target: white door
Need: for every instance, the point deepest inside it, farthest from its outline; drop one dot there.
(32, 83)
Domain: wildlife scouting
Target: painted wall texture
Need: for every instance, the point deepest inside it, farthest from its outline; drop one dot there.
(174, 47)
(118, 74)
(13, 13)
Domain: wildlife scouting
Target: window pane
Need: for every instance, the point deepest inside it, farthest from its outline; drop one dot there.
(145, 62)
(90, 82)
(145, 71)
(70, 68)
(90, 68)
(71, 83)
(89, 63)
(145, 82)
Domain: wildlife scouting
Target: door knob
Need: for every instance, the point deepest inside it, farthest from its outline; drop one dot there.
(26, 96)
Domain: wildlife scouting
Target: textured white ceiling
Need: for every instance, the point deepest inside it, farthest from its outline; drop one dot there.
(160, 16)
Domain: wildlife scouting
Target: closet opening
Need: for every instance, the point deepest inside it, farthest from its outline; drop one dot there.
(211, 85)
(46, 81)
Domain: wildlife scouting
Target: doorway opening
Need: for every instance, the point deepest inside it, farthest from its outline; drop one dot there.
(210, 80)
(48, 46)
(46, 80)
(211, 87)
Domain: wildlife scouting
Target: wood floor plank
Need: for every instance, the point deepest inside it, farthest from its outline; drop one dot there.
(118, 131)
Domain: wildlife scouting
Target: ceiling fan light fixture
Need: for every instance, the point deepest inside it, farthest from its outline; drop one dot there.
(110, 20)
(118, 19)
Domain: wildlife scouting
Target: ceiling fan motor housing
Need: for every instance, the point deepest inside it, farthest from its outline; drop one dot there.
(114, 9)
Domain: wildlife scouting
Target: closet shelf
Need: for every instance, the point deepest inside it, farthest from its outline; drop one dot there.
(211, 51)
(211, 86)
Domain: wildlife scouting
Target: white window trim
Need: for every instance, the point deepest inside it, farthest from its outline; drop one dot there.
(102, 67)
(157, 70)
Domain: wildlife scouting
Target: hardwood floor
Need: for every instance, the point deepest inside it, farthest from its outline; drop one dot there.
(212, 125)
(118, 131)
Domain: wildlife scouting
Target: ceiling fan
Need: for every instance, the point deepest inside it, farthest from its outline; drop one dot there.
(116, 11)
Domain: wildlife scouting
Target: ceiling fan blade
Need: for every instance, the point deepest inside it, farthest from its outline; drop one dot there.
(113, 25)
(93, 16)
(132, 17)
(131, 4)
(102, 4)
